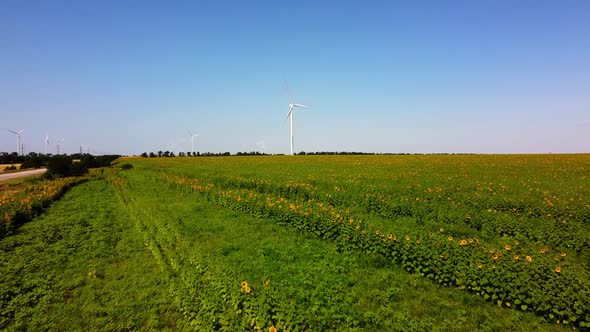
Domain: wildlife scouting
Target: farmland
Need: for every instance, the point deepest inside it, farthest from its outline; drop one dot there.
(3, 167)
(317, 243)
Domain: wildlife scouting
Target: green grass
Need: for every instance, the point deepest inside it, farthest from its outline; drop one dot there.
(513, 229)
(81, 267)
(134, 252)
(313, 282)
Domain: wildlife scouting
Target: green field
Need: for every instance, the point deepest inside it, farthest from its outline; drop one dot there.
(401, 243)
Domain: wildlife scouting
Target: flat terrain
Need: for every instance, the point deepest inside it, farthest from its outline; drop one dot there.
(308, 243)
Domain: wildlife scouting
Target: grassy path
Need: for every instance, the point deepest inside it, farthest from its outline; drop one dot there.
(80, 266)
(136, 254)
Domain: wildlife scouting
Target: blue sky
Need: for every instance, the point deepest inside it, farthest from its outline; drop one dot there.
(381, 76)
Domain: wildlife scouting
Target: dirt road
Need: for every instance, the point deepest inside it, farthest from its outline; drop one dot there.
(22, 174)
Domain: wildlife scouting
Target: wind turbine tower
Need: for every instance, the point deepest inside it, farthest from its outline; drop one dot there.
(292, 106)
(46, 143)
(192, 140)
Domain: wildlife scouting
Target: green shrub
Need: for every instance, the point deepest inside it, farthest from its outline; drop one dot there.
(126, 166)
(63, 166)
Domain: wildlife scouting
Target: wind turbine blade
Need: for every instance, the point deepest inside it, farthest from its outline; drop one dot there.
(12, 131)
(288, 91)
(300, 105)
(288, 115)
(189, 132)
(21, 131)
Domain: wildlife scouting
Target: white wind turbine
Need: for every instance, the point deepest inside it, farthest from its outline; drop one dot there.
(46, 143)
(192, 139)
(292, 106)
(19, 140)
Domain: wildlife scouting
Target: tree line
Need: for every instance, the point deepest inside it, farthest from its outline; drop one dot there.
(58, 165)
(168, 154)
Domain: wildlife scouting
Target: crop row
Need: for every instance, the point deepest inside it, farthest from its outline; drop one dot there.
(563, 226)
(16, 209)
(509, 272)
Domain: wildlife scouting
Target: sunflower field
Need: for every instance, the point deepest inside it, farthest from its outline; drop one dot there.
(513, 229)
(28, 201)
(304, 243)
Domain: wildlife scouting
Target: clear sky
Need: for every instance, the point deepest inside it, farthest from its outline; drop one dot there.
(381, 76)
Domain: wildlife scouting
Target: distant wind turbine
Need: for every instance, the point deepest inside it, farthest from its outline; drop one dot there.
(292, 106)
(173, 147)
(18, 140)
(46, 143)
(192, 139)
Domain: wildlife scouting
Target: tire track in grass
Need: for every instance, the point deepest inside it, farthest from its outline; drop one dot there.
(79, 266)
(167, 247)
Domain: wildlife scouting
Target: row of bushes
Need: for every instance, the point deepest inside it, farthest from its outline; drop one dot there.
(63, 165)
